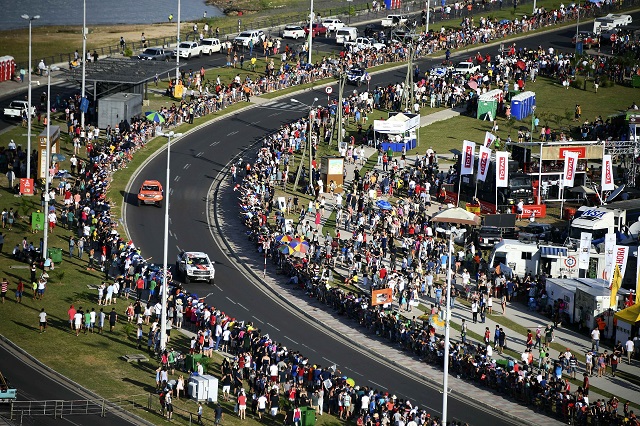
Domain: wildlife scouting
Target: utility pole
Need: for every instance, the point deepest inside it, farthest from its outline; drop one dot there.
(339, 111)
(408, 94)
(84, 59)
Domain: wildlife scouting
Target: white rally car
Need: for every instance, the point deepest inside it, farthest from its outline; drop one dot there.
(195, 266)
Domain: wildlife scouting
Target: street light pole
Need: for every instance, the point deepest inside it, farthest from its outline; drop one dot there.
(178, 49)
(30, 19)
(295, 184)
(447, 333)
(84, 59)
(310, 32)
(47, 151)
(165, 284)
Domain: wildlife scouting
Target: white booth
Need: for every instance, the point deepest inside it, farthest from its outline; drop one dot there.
(203, 388)
(398, 132)
(594, 300)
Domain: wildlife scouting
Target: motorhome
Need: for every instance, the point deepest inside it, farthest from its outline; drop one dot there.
(599, 221)
(555, 261)
(611, 21)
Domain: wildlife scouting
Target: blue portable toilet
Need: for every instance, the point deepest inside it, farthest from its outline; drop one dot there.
(516, 107)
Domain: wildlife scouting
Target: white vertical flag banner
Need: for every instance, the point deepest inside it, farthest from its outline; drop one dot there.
(468, 156)
(585, 250)
(607, 173)
(570, 163)
(621, 255)
(502, 169)
(484, 158)
(609, 256)
(489, 139)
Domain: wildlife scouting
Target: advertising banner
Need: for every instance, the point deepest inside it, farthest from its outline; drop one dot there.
(607, 173)
(489, 139)
(37, 221)
(381, 297)
(570, 163)
(468, 156)
(585, 249)
(609, 256)
(26, 186)
(484, 159)
(502, 168)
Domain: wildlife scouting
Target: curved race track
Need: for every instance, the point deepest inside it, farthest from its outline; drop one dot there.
(196, 160)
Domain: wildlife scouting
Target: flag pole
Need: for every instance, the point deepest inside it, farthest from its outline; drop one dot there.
(459, 182)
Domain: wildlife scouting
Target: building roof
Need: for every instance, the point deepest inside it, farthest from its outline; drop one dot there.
(121, 70)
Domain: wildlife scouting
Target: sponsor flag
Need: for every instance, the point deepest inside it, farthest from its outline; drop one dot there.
(607, 173)
(638, 279)
(381, 297)
(620, 259)
(609, 250)
(502, 169)
(484, 158)
(570, 162)
(616, 283)
(489, 139)
(468, 156)
(585, 249)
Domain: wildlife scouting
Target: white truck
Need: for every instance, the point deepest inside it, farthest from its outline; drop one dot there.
(466, 67)
(599, 221)
(188, 50)
(611, 21)
(362, 43)
(211, 45)
(16, 108)
(346, 34)
(393, 21)
(195, 266)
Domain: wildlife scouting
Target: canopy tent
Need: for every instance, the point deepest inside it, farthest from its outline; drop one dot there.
(401, 130)
(630, 315)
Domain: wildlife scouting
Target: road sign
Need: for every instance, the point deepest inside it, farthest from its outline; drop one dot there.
(328, 90)
(368, 77)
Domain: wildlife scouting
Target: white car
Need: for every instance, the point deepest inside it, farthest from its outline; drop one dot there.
(244, 37)
(332, 24)
(188, 50)
(466, 67)
(211, 45)
(293, 31)
(195, 266)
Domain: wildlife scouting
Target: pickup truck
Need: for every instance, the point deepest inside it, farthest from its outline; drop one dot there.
(211, 45)
(154, 54)
(257, 36)
(466, 67)
(188, 49)
(16, 108)
(393, 20)
(361, 43)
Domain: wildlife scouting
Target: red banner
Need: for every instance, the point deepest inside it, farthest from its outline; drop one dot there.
(580, 150)
(539, 209)
(381, 297)
(26, 186)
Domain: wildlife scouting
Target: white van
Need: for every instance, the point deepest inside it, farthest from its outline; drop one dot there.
(620, 19)
(346, 34)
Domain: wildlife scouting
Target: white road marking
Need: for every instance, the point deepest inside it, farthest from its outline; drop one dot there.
(232, 133)
(287, 337)
(199, 154)
(277, 329)
(214, 143)
(254, 123)
(186, 166)
(244, 307)
(309, 347)
(170, 233)
(258, 319)
(176, 179)
(330, 361)
(170, 193)
(218, 287)
(230, 300)
(274, 114)
(377, 384)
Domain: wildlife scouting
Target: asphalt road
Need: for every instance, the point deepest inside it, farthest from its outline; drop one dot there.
(35, 383)
(196, 159)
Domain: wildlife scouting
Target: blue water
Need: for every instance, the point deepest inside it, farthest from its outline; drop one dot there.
(69, 12)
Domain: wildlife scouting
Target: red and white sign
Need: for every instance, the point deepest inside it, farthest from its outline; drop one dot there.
(483, 163)
(489, 139)
(539, 209)
(570, 163)
(607, 173)
(502, 166)
(328, 90)
(620, 259)
(580, 150)
(26, 186)
(468, 156)
(570, 262)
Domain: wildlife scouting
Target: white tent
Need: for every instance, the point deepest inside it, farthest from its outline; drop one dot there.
(401, 128)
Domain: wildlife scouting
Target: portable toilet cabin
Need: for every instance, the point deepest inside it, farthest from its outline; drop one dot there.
(517, 107)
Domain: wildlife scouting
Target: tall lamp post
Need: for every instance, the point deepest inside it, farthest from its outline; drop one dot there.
(165, 284)
(310, 32)
(311, 114)
(30, 19)
(455, 215)
(47, 177)
(84, 58)
(178, 48)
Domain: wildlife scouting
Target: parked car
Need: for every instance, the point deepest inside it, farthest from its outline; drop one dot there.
(536, 232)
(211, 45)
(154, 54)
(332, 24)
(357, 76)
(244, 37)
(188, 49)
(318, 29)
(393, 20)
(293, 31)
(488, 236)
(586, 37)
(16, 108)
